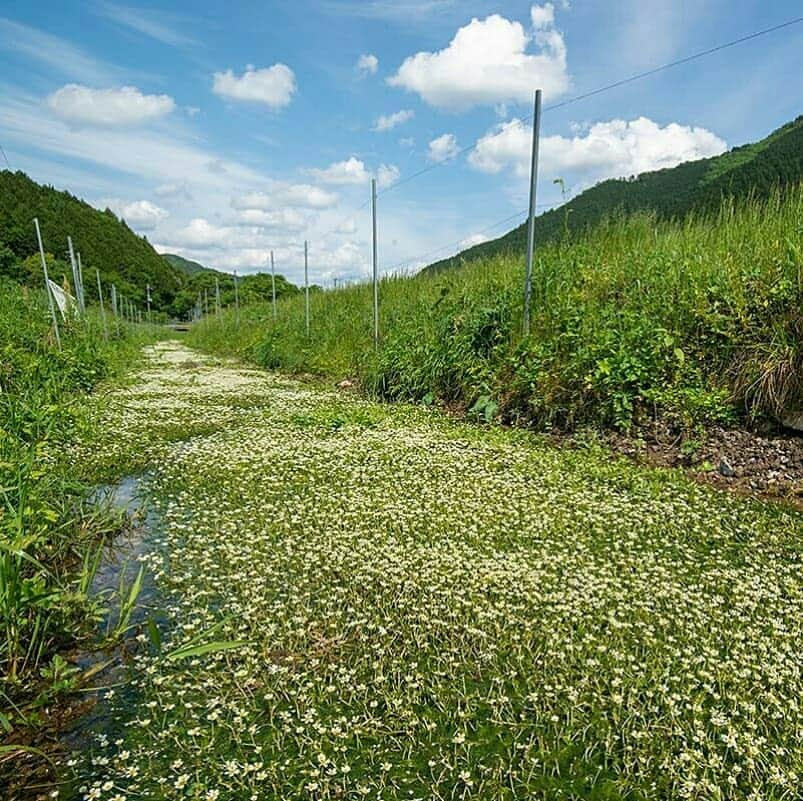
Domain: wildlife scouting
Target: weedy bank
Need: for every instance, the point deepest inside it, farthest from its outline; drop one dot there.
(697, 322)
(50, 529)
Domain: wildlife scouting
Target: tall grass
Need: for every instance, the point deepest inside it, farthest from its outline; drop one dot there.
(699, 322)
(48, 529)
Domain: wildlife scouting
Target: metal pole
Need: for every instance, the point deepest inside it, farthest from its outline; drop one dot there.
(50, 302)
(116, 310)
(217, 297)
(102, 307)
(148, 299)
(376, 268)
(74, 269)
(273, 283)
(306, 284)
(206, 302)
(81, 299)
(528, 279)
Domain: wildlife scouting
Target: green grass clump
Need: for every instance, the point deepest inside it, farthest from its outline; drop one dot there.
(48, 528)
(698, 322)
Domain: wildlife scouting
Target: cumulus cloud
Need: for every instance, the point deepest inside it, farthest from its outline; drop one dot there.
(613, 149)
(353, 171)
(297, 196)
(198, 233)
(108, 107)
(141, 213)
(274, 86)
(367, 64)
(386, 175)
(387, 122)
(443, 148)
(490, 61)
(471, 241)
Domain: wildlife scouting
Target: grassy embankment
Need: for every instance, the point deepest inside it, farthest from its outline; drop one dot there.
(698, 322)
(51, 531)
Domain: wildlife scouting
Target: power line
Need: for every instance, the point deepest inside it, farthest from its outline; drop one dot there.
(608, 87)
(458, 242)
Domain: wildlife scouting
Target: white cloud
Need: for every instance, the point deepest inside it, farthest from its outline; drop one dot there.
(108, 107)
(487, 63)
(140, 214)
(199, 232)
(443, 148)
(613, 149)
(173, 190)
(298, 196)
(274, 86)
(387, 122)
(284, 219)
(386, 175)
(353, 171)
(471, 241)
(350, 171)
(367, 64)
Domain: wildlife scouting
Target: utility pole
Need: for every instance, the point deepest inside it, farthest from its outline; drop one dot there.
(376, 268)
(306, 283)
(50, 302)
(528, 278)
(273, 283)
(102, 307)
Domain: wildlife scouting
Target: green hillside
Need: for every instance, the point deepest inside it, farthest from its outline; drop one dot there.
(187, 266)
(696, 186)
(104, 241)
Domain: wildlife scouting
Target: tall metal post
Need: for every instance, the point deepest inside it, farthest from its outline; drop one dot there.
(50, 302)
(148, 299)
(102, 307)
(376, 268)
(206, 302)
(306, 284)
(116, 309)
(273, 283)
(81, 299)
(217, 297)
(528, 279)
(74, 266)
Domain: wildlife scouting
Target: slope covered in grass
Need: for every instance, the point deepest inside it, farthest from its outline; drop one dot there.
(754, 170)
(699, 322)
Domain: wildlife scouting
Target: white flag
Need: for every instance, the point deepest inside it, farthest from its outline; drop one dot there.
(64, 300)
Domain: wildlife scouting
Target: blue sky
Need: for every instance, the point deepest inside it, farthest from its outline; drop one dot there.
(222, 131)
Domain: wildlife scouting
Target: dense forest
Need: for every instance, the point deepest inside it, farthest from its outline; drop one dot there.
(694, 187)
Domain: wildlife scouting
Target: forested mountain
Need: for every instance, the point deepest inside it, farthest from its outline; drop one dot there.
(186, 266)
(104, 241)
(696, 186)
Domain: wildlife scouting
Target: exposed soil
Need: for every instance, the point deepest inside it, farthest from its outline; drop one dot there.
(764, 465)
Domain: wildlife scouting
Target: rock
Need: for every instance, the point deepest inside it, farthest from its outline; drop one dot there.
(725, 468)
(346, 383)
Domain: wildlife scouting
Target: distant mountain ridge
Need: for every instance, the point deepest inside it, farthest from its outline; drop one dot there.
(187, 266)
(695, 186)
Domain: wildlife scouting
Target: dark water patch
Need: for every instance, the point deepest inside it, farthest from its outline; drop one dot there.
(107, 662)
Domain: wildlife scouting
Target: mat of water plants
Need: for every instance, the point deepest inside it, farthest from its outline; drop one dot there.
(365, 601)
